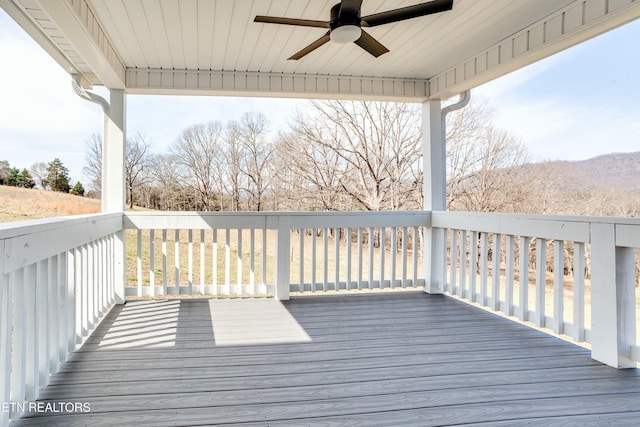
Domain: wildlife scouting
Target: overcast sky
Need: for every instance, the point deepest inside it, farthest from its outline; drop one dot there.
(578, 104)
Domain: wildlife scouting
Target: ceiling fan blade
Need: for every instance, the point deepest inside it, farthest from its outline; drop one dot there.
(291, 21)
(371, 45)
(313, 46)
(408, 12)
(350, 7)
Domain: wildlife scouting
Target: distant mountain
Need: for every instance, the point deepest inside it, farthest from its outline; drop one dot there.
(616, 171)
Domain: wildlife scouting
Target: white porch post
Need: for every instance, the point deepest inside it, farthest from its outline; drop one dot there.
(613, 323)
(434, 187)
(113, 189)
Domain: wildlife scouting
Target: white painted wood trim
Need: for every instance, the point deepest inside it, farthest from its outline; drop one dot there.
(247, 83)
(578, 292)
(83, 31)
(577, 22)
(283, 243)
(558, 286)
(541, 275)
(575, 229)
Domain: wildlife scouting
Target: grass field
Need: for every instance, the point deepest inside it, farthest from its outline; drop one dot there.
(19, 204)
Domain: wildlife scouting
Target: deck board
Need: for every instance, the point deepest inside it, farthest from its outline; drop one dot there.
(380, 359)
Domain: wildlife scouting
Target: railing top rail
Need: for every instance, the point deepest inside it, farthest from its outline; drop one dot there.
(21, 228)
(562, 218)
(559, 227)
(33, 241)
(271, 219)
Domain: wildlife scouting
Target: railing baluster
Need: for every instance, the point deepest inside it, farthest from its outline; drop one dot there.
(558, 286)
(524, 279)
(360, 284)
(177, 260)
(7, 328)
(473, 264)
(239, 263)
(152, 264)
(227, 262)
(44, 306)
(75, 299)
(314, 262)
(139, 261)
(383, 235)
(31, 356)
(164, 262)
(336, 257)
(578, 292)
(214, 262)
(264, 257)
(325, 259)
(463, 264)
(404, 256)
(19, 341)
(541, 278)
(203, 247)
(371, 237)
(484, 267)
(252, 262)
(301, 269)
(394, 254)
(91, 286)
(190, 261)
(453, 285)
(495, 270)
(509, 272)
(100, 278)
(85, 291)
(56, 313)
(349, 242)
(416, 255)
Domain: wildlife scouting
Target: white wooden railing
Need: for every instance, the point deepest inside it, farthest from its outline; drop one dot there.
(272, 253)
(58, 279)
(483, 253)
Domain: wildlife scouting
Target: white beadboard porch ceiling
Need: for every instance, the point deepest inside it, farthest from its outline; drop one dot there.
(214, 47)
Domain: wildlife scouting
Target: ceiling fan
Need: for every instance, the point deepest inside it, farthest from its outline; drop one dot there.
(346, 24)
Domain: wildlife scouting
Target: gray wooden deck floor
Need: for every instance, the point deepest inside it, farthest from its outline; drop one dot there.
(386, 359)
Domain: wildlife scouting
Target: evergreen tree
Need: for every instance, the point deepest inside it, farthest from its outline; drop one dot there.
(12, 177)
(78, 189)
(58, 176)
(24, 180)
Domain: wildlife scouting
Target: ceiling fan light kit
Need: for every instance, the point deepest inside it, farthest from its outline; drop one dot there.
(346, 24)
(345, 34)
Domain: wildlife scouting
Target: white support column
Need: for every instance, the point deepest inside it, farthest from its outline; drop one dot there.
(113, 196)
(113, 189)
(434, 187)
(613, 329)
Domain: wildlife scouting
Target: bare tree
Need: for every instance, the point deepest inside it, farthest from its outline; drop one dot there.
(5, 170)
(93, 161)
(372, 150)
(167, 182)
(310, 174)
(38, 171)
(197, 150)
(233, 159)
(136, 166)
(484, 164)
(256, 157)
